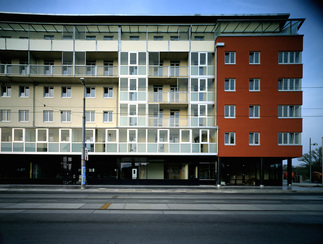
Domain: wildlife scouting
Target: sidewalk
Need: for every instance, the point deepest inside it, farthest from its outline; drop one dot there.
(297, 187)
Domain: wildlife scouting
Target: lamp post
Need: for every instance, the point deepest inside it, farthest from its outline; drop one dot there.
(83, 163)
(314, 144)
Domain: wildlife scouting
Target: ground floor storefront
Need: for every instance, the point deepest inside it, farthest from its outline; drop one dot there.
(158, 170)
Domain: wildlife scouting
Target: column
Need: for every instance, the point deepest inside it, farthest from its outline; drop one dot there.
(219, 173)
(261, 172)
(289, 172)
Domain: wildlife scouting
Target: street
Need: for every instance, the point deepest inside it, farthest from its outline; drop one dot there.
(159, 217)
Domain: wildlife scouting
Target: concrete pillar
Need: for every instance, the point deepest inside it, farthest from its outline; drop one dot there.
(289, 172)
(262, 172)
(219, 173)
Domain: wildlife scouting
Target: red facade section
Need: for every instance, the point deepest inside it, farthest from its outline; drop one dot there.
(269, 71)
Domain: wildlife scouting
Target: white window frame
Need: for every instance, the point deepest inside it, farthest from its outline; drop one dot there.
(90, 116)
(37, 134)
(180, 135)
(289, 57)
(92, 92)
(69, 136)
(289, 111)
(109, 93)
(67, 93)
(13, 135)
(289, 84)
(48, 91)
(23, 91)
(254, 81)
(253, 57)
(231, 114)
(108, 116)
(46, 114)
(230, 134)
(132, 144)
(5, 115)
(289, 138)
(230, 57)
(23, 115)
(255, 139)
(133, 117)
(65, 114)
(5, 91)
(254, 108)
(107, 135)
(231, 82)
(133, 92)
(207, 136)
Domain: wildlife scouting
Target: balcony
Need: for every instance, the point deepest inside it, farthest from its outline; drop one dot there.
(168, 97)
(168, 71)
(58, 70)
(168, 122)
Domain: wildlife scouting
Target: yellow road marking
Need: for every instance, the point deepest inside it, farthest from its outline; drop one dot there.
(105, 206)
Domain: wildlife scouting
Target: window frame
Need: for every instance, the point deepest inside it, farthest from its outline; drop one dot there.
(229, 54)
(89, 94)
(48, 90)
(253, 111)
(7, 113)
(286, 83)
(286, 57)
(67, 114)
(284, 111)
(253, 80)
(255, 139)
(229, 81)
(284, 138)
(229, 108)
(23, 116)
(108, 116)
(90, 116)
(108, 93)
(48, 114)
(5, 90)
(229, 143)
(68, 92)
(253, 55)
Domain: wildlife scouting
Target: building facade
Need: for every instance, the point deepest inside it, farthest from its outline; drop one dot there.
(169, 99)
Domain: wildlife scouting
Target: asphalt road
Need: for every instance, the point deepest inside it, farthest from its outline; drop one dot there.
(115, 217)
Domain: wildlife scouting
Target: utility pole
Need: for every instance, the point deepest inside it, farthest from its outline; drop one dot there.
(314, 144)
(83, 162)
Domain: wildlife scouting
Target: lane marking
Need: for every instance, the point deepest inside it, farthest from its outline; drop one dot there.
(105, 206)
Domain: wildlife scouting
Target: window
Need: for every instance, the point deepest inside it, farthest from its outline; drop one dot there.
(289, 84)
(254, 111)
(48, 115)
(254, 58)
(108, 38)
(254, 138)
(134, 38)
(230, 57)
(48, 91)
(289, 58)
(5, 115)
(107, 117)
(289, 111)
(174, 38)
(229, 84)
(199, 38)
(66, 116)
(23, 115)
(5, 91)
(229, 138)
(254, 84)
(24, 91)
(48, 37)
(90, 116)
(108, 92)
(66, 92)
(90, 92)
(229, 111)
(90, 38)
(158, 38)
(290, 138)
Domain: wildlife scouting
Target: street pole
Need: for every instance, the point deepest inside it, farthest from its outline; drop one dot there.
(310, 161)
(83, 163)
(322, 160)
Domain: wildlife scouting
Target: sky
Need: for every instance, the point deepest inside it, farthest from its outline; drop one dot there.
(312, 29)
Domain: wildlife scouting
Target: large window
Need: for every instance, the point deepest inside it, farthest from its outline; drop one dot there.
(229, 111)
(289, 84)
(289, 111)
(254, 111)
(289, 138)
(5, 91)
(289, 57)
(230, 57)
(230, 138)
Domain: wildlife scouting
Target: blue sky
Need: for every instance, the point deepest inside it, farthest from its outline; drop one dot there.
(312, 30)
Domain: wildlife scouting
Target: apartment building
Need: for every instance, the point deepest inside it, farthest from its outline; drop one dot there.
(169, 99)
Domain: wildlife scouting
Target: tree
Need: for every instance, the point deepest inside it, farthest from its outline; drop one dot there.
(316, 159)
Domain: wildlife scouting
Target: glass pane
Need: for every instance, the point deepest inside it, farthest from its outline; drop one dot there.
(124, 58)
(202, 58)
(194, 59)
(142, 58)
(133, 58)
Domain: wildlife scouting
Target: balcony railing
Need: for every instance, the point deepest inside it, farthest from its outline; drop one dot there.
(58, 70)
(168, 122)
(168, 97)
(168, 71)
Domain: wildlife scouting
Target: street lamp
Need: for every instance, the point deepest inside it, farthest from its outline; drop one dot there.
(83, 163)
(314, 144)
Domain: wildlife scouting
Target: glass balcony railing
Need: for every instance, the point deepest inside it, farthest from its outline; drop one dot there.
(168, 71)
(168, 97)
(58, 70)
